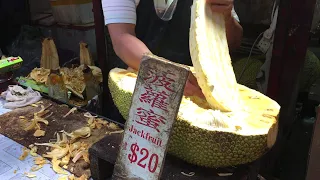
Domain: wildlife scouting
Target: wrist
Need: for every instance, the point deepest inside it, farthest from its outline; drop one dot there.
(228, 17)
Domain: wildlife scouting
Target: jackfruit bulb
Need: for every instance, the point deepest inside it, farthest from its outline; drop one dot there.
(233, 125)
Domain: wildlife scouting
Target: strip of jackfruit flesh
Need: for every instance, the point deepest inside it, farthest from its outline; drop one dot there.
(85, 55)
(211, 59)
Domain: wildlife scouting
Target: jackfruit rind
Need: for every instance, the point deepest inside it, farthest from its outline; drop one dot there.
(49, 56)
(208, 137)
(85, 55)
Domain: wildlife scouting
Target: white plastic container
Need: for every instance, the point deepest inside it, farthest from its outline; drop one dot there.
(74, 12)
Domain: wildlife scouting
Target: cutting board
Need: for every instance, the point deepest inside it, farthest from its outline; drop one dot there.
(11, 126)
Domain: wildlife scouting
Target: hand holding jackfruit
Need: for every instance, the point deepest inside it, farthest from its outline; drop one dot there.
(234, 124)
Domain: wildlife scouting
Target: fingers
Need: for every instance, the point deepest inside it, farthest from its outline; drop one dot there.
(192, 90)
(192, 79)
(220, 2)
(221, 8)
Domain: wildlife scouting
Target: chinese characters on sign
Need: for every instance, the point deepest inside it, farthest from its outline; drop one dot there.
(157, 97)
(155, 104)
(149, 118)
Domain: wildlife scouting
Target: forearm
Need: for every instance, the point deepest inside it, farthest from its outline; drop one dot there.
(126, 45)
(234, 32)
(130, 49)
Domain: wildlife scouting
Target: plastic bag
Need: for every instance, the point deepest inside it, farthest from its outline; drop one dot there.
(28, 46)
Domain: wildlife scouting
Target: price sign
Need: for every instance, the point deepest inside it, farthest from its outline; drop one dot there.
(155, 104)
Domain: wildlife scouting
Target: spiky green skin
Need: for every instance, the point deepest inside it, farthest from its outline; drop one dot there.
(198, 146)
(121, 98)
(309, 75)
(212, 148)
(252, 69)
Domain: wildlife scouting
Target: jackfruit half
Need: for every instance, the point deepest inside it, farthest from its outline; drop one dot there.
(208, 137)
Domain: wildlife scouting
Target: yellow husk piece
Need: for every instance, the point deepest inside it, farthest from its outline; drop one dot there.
(39, 133)
(35, 122)
(83, 132)
(85, 55)
(33, 151)
(56, 166)
(94, 122)
(49, 57)
(64, 149)
(73, 78)
(29, 175)
(36, 168)
(24, 154)
(71, 111)
(39, 160)
(40, 75)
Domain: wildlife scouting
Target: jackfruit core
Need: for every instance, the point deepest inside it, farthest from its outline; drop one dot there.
(207, 137)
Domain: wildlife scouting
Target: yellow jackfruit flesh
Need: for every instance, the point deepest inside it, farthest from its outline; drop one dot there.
(210, 57)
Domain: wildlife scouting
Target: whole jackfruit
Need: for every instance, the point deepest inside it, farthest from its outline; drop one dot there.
(233, 125)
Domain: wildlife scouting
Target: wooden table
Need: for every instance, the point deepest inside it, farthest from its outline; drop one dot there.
(13, 127)
(103, 156)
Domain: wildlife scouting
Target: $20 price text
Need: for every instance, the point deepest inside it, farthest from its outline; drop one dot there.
(146, 161)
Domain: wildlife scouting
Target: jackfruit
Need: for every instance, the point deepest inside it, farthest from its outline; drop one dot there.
(208, 137)
(49, 56)
(85, 55)
(234, 124)
(209, 49)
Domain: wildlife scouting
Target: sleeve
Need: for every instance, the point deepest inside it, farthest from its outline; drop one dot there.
(235, 15)
(119, 11)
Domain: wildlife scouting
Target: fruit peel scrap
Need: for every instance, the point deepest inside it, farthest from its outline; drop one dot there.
(35, 122)
(55, 166)
(33, 151)
(39, 133)
(71, 111)
(24, 154)
(29, 175)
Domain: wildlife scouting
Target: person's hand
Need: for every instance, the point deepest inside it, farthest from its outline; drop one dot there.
(192, 88)
(221, 6)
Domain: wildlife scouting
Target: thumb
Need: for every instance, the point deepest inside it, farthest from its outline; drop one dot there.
(192, 90)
